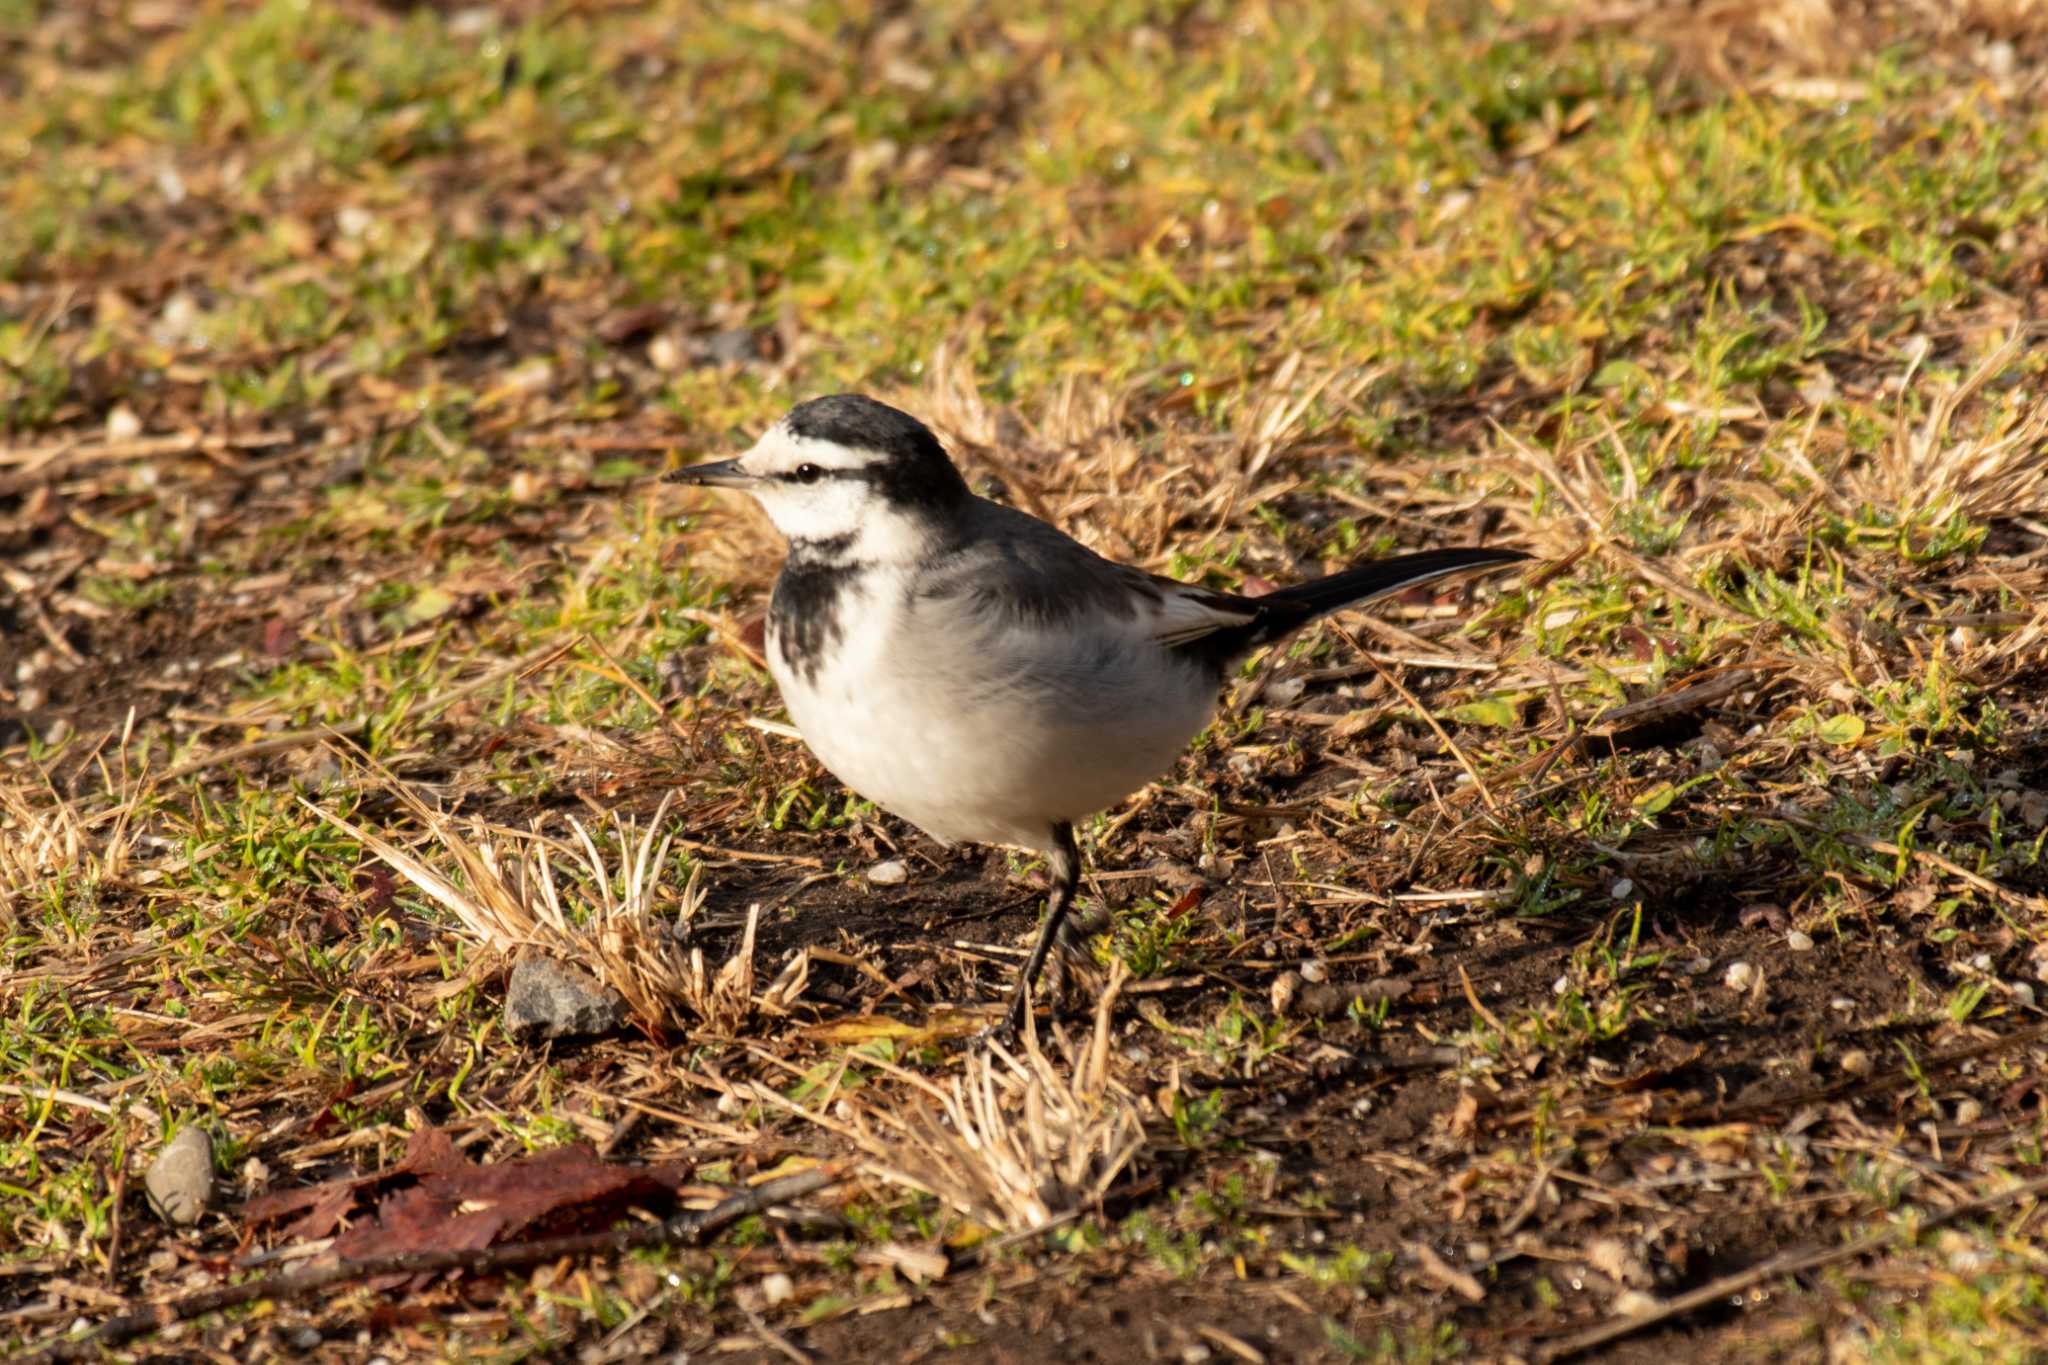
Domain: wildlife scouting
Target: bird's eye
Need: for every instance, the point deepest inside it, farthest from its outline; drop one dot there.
(807, 473)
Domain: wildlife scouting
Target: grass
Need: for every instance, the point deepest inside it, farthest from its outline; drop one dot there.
(337, 347)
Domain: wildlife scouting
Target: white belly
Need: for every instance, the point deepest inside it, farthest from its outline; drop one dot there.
(996, 738)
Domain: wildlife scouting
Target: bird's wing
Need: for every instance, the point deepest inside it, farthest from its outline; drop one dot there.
(1186, 613)
(1021, 571)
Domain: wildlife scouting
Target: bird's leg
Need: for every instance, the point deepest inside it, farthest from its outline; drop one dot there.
(1064, 862)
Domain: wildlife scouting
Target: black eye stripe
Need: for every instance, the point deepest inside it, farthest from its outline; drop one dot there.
(812, 473)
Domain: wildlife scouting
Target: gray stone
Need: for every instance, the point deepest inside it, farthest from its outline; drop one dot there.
(180, 1180)
(733, 346)
(547, 999)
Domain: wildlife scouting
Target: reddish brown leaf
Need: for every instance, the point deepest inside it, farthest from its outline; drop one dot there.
(378, 888)
(435, 1200)
(1652, 1074)
(327, 1118)
(427, 1150)
(754, 634)
(625, 324)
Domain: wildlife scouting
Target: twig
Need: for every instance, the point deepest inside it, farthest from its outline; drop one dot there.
(1444, 1275)
(621, 1130)
(1527, 1208)
(1953, 868)
(270, 744)
(682, 1230)
(50, 1094)
(1478, 1008)
(770, 1337)
(1673, 702)
(620, 675)
(118, 1197)
(183, 443)
(1728, 1288)
(1443, 737)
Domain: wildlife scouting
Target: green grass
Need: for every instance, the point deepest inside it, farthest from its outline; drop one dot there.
(1231, 290)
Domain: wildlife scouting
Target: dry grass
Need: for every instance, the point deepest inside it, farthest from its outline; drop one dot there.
(510, 898)
(1670, 907)
(1014, 1140)
(1804, 48)
(47, 839)
(1933, 472)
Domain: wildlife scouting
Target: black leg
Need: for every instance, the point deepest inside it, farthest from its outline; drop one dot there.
(1064, 862)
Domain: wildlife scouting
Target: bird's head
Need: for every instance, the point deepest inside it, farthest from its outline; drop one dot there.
(849, 473)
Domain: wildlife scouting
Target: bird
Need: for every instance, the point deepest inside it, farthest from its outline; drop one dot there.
(977, 671)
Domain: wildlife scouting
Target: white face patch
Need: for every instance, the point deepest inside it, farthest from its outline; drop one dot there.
(814, 491)
(781, 451)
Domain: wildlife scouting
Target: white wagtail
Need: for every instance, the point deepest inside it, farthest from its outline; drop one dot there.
(972, 669)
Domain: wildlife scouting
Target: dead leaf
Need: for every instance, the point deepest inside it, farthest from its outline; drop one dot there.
(435, 1199)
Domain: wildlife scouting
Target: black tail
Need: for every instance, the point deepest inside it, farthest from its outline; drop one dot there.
(1383, 576)
(1289, 609)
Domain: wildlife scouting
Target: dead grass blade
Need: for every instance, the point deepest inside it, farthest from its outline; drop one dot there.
(44, 836)
(1013, 1140)
(509, 897)
(1931, 473)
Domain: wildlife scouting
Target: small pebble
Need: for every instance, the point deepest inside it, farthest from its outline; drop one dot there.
(1741, 976)
(777, 1288)
(2022, 994)
(1314, 971)
(1561, 985)
(1799, 942)
(1634, 1303)
(1855, 1061)
(354, 221)
(180, 1180)
(1981, 962)
(889, 873)
(1842, 1004)
(1968, 1111)
(1621, 890)
(546, 999)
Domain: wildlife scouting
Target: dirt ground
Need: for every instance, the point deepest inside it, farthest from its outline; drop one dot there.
(1689, 884)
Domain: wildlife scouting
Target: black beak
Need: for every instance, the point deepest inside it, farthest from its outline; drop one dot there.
(717, 474)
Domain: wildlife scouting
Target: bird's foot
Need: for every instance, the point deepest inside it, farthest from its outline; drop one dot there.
(1071, 969)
